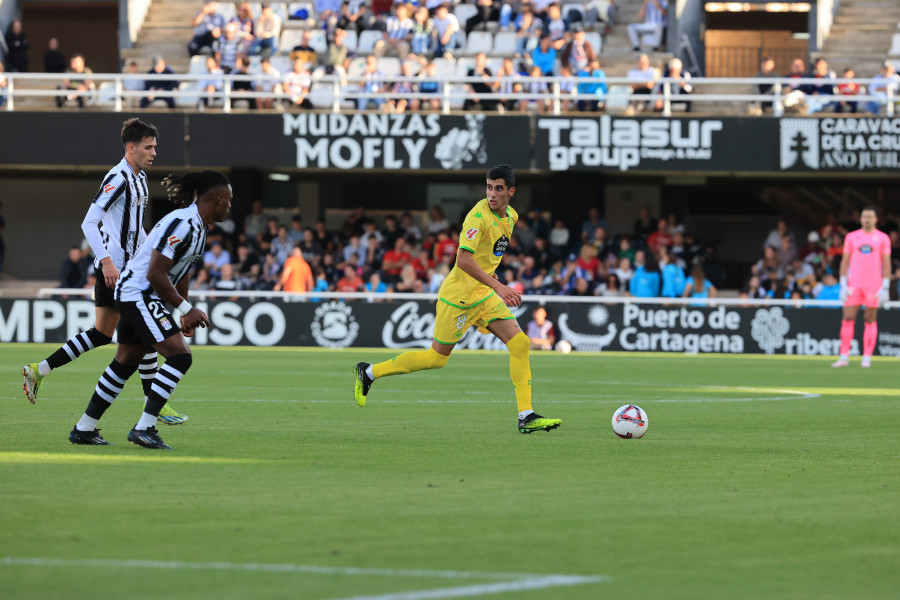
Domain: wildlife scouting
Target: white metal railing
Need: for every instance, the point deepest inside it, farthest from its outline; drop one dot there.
(333, 91)
(288, 297)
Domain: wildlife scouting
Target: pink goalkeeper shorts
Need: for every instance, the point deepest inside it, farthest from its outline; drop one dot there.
(860, 296)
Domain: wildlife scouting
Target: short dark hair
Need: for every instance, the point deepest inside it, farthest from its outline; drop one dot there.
(869, 207)
(503, 172)
(134, 130)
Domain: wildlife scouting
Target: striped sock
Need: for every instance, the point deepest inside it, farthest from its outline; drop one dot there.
(76, 346)
(109, 386)
(148, 368)
(170, 373)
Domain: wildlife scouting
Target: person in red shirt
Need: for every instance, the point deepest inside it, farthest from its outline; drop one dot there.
(660, 237)
(847, 89)
(350, 282)
(588, 261)
(394, 260)
(422, 263)
(445, 247)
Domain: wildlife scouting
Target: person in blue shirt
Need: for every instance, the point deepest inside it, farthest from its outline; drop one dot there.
(829, 289)
(544, 56)
(698, 286)
(673, 280)
(646, 279)
(597, 90)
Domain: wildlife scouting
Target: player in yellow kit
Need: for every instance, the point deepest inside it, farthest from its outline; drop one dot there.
(471, 296)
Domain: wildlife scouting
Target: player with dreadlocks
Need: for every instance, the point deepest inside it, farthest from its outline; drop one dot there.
(114, 228)
(154, 282)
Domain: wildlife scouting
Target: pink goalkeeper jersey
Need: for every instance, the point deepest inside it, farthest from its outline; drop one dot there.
(866, 251)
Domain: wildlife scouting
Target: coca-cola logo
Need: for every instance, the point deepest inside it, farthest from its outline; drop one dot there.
(407, 328)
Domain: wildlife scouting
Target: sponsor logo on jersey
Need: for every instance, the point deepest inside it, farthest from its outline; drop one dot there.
(471, 233)
(501, 245)
(109, 188)
(173, 240)
(866, 249)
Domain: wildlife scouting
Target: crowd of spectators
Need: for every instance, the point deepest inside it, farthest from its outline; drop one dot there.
(789, 269)
(657, 257)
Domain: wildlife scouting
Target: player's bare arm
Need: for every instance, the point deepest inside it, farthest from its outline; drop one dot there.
(157, 276)
(465, 260)
(182, 288)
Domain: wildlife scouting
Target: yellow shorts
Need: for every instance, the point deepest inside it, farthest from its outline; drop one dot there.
(451, 322)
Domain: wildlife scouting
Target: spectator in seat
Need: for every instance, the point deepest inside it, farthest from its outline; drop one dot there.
(528, 30)
(354, 15)
(597, 90)
(268, 28)
(508, 84)
(269, 81)
(430, 87)
(337, 57)
(154, 86)
(228, 47)
(303, 51)
(488, 11)
(680, 87)
(17, 45)
(820, 96)
(212, 82)
(850, 88)
(245, 21)
(328, 12)
(646, 281)
(135, 84)
(673, 280)
(533, 85)
(296, 85)
(54, 61)
(595, 11)
(208, 25)
(887, 79)
(397, 34)
(643, 77)
(540, 330)
(660, 237)
(422, 42)
(644, 225)
(282, 245)
(578, 53)
(556, 27)
(446, 27)
(797, 71)
(74, 269)
(243, 85)
(653, 17)
(350, 282)
(482, 86)
(697, 285)
(544, 56)
(77, 88)
(394, 260)
(372, 83)
(215, 258)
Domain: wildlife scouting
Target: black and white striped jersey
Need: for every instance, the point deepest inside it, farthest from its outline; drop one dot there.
(114, 225)
(181, 236)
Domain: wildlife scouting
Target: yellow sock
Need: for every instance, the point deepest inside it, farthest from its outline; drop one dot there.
(408, 362)
(520, 370)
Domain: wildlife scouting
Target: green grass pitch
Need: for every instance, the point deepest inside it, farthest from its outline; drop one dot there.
(759, 477)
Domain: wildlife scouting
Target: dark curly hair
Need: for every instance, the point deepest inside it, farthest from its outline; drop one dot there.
(184, 188)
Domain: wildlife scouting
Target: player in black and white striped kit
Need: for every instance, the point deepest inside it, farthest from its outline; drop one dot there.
(114, 228)
(154, 282)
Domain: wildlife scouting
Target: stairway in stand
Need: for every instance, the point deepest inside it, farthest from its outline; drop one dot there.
(166, 31)
(861, 36)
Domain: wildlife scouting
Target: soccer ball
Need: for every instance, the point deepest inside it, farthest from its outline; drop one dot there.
(630, 422)
(563, 346)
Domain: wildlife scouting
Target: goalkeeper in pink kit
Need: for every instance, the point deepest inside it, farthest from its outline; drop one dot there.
(865, 280)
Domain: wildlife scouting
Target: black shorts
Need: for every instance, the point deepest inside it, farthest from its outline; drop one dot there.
(145, 322)
(103, 296)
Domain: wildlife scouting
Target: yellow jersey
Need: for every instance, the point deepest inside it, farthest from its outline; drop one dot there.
(486, 234)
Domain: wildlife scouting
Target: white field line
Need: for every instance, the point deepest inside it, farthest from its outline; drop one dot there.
(489, 588)
(521, 581)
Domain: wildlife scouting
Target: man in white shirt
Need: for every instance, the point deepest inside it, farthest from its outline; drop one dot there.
(653, 14)
(446, 27)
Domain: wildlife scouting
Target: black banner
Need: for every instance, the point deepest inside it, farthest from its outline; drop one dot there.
(399, 324)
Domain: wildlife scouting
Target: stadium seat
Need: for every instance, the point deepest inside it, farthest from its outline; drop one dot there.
(280, 9)
(289, 39)
(504, 43)
(457, 89)
(293, 9)
(479, 41)
(282, 64)
(321, 94)
(444, 67)
(318, 41)
(594, 39)
(197, 65)
(389, 65)
(895, 45)
(463, 64)
(617, 98)
(464, 12)
(106, 93)
(188, 95)
(367, 39)
(256, 9)
(356, 68)
(573, 13)
(351, 41)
